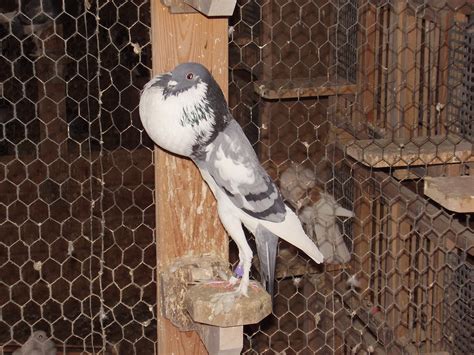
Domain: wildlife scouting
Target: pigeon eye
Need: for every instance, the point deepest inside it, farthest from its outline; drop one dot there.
(190, 76)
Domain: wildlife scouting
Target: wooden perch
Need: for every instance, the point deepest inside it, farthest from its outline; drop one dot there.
(191, 287)
(409, 173)
(179, 276)
(399, 152)
(206, 304)
(456, 193)
(297, 88)
(196, 297)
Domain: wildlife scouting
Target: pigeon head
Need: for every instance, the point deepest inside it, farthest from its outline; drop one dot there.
(183, 110)
(184, 77)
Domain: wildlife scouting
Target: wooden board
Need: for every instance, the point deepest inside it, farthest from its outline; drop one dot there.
(186, 216)
(297, 88)
(397, 152)
(456, 193)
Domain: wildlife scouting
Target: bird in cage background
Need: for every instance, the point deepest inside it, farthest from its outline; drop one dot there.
(317, 210)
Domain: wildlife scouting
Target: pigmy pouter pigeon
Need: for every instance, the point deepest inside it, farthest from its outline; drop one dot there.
(37, 344)
(185, 112)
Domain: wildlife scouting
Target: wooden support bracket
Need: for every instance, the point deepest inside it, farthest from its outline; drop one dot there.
(196, 297)
(210, 8)
(222, 341)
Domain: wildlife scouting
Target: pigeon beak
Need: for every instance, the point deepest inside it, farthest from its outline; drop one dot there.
(172, 83)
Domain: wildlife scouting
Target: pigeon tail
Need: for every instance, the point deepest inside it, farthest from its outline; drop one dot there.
(267, 244)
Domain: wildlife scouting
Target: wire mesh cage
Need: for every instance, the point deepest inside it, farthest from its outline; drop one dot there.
(77, 223)
(361, 110)
(363, 101)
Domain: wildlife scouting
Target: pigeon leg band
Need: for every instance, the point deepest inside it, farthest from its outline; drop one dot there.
(239, 271)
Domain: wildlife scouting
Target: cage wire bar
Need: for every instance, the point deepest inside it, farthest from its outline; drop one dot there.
(348, 103)
(77, 256)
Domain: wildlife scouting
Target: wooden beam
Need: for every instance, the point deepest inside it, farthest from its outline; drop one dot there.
(186, 216)
(396, 98)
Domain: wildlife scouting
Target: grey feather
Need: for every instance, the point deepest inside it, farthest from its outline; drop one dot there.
(267, 245)
(260, 198)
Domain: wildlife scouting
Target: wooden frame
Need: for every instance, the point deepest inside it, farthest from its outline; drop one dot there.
(186, 216)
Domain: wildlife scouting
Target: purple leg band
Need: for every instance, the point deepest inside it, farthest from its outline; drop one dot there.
(239, 271)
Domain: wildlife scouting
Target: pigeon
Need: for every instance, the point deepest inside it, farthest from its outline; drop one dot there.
(37, 344)
(317, 210)
(185, 112)
(319, 220)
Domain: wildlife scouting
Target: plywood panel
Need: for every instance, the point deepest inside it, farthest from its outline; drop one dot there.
(186, 220)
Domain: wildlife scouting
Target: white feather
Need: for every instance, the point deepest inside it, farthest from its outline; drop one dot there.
(161, 121)
(290, 230)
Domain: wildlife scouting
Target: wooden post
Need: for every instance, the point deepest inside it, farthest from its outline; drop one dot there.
(186, 216)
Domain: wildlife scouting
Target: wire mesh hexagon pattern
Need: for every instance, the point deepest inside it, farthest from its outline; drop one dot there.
(361, 110)
(78, 254)
(356, 105)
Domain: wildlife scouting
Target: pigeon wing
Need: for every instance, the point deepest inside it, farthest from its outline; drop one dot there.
(234, 166)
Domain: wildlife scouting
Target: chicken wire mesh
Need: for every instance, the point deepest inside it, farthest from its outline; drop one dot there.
(77, 255)
(349, 105)
(462, 77)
